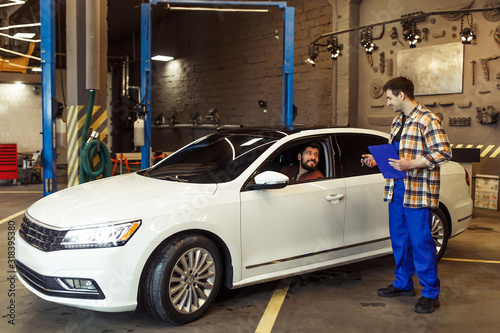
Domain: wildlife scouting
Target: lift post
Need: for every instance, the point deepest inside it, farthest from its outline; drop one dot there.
(48, 55)
(288, 42)
(146, 82)
(288, 46)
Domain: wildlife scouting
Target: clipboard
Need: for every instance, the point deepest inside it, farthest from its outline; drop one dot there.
(381, 154)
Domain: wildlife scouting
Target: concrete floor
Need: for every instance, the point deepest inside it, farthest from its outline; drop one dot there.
(342, 299)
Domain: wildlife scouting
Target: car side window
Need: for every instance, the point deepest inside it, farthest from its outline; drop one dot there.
(352, 146)
(286, 161)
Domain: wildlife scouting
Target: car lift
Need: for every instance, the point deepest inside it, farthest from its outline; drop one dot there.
(48, 56)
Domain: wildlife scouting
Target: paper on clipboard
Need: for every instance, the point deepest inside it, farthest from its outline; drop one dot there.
(382, 154)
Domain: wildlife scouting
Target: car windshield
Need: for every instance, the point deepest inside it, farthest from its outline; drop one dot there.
(216, 158)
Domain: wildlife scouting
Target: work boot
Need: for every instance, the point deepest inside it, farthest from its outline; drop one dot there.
(392, 291)
(426, 305)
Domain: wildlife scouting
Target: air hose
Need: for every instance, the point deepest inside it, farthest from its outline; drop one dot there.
(90, 148)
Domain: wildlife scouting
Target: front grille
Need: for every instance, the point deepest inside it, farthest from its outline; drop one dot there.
(49, 286)
(42, 238)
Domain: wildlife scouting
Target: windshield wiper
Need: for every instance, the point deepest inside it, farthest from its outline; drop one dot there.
(173, 178)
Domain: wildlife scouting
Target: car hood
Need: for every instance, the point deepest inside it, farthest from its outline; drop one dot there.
(118, 198)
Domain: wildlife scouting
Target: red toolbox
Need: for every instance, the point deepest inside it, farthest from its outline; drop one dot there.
(8, 161)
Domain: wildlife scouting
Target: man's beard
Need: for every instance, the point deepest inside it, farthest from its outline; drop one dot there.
(308, 167)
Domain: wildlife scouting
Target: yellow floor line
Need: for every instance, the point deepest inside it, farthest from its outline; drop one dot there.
(273, 308)
(473, 260)
(23, 192)
(13, 216)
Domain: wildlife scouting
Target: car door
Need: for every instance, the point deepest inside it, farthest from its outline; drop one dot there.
(297, 226)
(366, 214)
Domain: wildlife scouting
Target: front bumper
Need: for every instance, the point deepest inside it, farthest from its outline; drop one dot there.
(56, 286)
(114, 271)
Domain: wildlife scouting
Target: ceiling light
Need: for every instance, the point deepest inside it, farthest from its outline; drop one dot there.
(366, 40)
(219, 9)
(19, 38)
(13, 3)
(467, 34)
(24, 35)
(36, 69)
(20, 26)
(332, 45)
(162, 58)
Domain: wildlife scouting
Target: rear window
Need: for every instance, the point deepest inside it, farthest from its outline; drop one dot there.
(352, 146)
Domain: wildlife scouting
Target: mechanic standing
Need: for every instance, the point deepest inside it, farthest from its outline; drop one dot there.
(418, 135)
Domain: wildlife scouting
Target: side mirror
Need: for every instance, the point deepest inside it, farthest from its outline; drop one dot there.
(268, 180)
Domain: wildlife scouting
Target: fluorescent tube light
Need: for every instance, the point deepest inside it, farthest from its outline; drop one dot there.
(215, 9)
(24, 35)
(162, 58)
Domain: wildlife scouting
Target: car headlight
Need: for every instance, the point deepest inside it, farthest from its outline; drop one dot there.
(98, 237)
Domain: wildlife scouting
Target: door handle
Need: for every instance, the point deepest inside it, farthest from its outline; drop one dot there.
(334, 198)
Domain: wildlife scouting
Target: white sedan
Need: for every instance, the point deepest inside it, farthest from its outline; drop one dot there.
(217, 213)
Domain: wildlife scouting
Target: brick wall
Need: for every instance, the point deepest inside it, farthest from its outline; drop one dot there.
(230, 61)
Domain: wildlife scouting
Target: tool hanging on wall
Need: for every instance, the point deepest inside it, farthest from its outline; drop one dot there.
(484, 66)
(376, 88)
(439, 34)
(473, 62)
(460, 121)
(487, 115)
(464, 105)
(425, 33)
(491, 15)
(390, 67)
(369, 57)
(382, 62)
(496, 35)
(446, 103)
(394, 35)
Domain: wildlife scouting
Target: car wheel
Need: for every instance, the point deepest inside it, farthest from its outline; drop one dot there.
(182, 279)
(440, 231)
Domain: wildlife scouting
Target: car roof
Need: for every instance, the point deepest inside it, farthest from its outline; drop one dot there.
(274, 132)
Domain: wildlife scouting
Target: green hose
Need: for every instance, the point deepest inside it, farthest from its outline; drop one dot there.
(89, 150)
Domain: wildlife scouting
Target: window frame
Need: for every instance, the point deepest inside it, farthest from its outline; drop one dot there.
(324, 140)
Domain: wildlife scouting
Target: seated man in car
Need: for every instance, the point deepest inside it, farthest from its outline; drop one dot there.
(308, 157)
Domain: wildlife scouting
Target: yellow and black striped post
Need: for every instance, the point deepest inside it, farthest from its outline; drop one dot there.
(75, 122)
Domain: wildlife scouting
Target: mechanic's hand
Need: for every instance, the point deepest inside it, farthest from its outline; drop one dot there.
(368, 160)
(403, 164)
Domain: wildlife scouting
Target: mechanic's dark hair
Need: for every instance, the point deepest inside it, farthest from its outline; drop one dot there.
(312, 144)
(400, 84)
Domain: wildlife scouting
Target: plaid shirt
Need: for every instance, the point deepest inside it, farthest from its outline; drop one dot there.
(423, 136)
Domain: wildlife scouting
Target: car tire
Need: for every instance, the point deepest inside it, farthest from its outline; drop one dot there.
(182, 279)
(440, 231)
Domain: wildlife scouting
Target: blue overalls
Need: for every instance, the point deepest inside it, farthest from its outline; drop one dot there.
(412, 243)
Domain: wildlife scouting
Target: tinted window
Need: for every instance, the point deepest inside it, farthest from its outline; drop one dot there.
(216, 158)
(352, 146)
